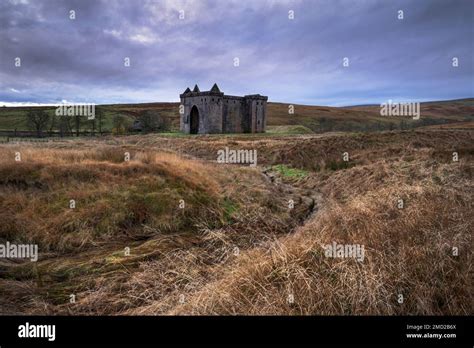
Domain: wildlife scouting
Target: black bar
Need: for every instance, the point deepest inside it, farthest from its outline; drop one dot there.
(334, 330)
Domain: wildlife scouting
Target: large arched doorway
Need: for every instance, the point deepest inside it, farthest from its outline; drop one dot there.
(194, 126)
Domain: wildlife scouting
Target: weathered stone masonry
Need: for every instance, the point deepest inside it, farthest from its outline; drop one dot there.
(214, 112)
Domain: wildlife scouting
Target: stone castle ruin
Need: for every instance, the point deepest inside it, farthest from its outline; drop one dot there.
(214, 112)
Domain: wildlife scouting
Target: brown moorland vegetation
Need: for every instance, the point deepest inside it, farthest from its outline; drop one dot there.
(236, 248)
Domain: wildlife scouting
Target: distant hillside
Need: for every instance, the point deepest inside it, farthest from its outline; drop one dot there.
(315, 118)
(361, 118)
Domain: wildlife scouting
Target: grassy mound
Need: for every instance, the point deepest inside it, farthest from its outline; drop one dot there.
(69, 199)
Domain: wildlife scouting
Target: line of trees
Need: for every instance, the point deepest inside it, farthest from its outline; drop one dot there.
(44, 123)
(41, 122)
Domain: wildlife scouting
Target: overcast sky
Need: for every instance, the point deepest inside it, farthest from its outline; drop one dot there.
(296, 60)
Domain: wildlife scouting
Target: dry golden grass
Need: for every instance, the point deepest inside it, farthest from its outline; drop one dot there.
(238, 249)
(114, 197)
(408, 252)
(122, 204)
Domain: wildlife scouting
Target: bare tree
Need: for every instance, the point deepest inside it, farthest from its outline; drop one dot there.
(119, 124)
(77, 123)
(99, 115)
(148, 121)
(52, 124)
(91, 125)
(37, 120)
(164, 124)
(65, 126)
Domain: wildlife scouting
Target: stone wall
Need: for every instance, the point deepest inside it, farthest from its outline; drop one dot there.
(210, 113)
(233, 113)
(219, 113)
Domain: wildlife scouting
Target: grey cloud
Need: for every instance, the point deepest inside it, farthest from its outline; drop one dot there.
(297, 61)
